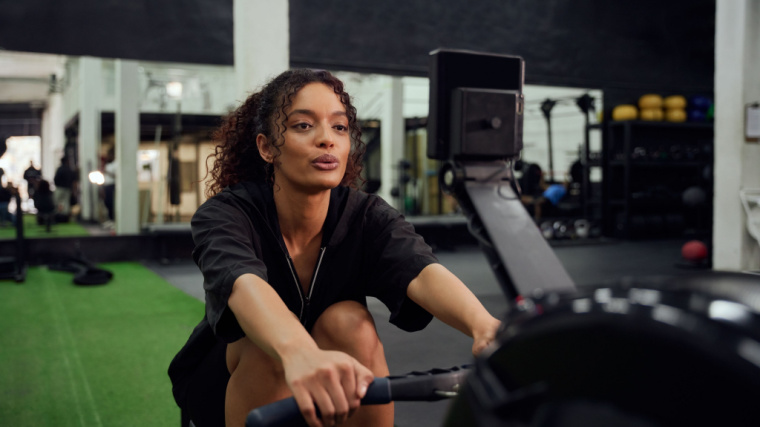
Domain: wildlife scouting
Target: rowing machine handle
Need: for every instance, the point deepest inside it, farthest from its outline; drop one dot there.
(285, 412)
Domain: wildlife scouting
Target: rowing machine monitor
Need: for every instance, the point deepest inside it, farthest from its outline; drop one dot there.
(475, 128)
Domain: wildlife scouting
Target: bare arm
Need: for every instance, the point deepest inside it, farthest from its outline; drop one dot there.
(440, 292)
(333, 380)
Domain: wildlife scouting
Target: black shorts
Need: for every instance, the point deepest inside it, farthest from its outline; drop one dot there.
(206, 388)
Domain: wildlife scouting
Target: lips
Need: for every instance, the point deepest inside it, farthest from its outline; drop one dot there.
(326, 162)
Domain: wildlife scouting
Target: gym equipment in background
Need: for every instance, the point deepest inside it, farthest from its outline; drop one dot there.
(14, 267)
(694, 251)
(650, 107)
(625, 112)
(85, 272)
(674, 101)
(546, 109)
(675, 115)
(647, 168)
(650, 100)
(699, 109)
(651, 114)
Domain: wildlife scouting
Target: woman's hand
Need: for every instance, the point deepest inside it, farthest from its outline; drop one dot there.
(333, 381)
(330, 380)
(484, 335)
(441, 293)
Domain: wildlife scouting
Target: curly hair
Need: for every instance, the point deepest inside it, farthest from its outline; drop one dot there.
(236, 155)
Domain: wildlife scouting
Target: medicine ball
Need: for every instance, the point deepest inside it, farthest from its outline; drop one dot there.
(674, 101)
(675, 115)
(625, 112)
(697, 116)
(700, 103)
(694, 251)
(694, 196)
(650, 101)
(582, 227)
(651, 114)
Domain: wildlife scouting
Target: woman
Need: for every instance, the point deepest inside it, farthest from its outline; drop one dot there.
(289, 253)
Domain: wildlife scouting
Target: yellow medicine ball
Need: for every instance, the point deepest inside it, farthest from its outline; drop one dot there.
(675, 101)
(650, 101)
(651, 114)
(675, 115)
(625, 112)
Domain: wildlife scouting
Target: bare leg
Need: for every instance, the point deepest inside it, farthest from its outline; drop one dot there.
(257, 379)
(348, 326)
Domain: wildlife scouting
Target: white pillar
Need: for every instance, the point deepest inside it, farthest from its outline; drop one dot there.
(391, 137)
(262, 42)
(90, 71)
(127, 117)
(52, 135)
(737, 82)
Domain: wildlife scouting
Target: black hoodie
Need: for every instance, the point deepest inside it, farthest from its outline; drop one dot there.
(367, 249)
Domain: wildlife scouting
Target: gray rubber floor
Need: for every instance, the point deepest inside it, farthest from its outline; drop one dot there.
(439, 346)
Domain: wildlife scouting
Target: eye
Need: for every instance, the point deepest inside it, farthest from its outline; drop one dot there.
(302, 126)
(341, 128)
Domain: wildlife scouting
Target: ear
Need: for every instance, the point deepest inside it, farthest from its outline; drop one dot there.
(265, 148)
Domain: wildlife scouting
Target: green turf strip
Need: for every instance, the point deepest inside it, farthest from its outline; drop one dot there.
(33, 230)
(91, 356)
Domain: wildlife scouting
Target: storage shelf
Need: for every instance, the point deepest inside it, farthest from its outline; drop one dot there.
(625, 176)
(659, 163)
(670, 125)
(619, 201)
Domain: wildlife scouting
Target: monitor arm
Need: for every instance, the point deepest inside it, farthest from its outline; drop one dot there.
(524, 263)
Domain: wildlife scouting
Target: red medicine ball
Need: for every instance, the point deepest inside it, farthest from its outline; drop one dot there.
(694, 250)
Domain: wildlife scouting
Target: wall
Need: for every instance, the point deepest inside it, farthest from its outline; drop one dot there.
(198, 31)
(737, 82)
(644, 45)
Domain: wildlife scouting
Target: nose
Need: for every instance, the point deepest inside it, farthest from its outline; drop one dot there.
(325, 137)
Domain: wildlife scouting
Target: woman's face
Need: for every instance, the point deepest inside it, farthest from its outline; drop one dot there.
(317, 142)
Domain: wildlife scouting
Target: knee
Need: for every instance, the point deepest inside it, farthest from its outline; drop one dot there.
(348, 326)
(247, 355)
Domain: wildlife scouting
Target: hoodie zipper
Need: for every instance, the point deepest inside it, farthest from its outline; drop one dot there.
(305, 300)
(298, 284)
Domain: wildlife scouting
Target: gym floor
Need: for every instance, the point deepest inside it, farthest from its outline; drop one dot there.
(439, 346)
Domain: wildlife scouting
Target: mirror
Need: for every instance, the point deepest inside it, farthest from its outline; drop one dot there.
(180, 104)
(554, 144)
(40, 101)
(24, 87)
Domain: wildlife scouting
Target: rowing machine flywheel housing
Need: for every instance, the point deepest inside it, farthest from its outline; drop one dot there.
(642, 352)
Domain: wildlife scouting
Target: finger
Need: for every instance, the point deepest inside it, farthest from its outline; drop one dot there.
(308, 410)
(337, 394)
(476, 349)
(326, 403)
(364, 378)
(349, 382)
(479, 345)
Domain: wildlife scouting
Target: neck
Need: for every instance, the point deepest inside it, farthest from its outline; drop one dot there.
(301, 216)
